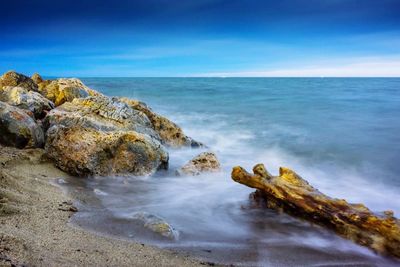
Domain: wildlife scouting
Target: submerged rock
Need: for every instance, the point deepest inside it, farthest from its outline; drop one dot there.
(292, 194)
(204, 162)
(170, 133)
(100, 136)
(25, 99)
(18, 129)
(156, 225)
(12, 78)
(65, 90)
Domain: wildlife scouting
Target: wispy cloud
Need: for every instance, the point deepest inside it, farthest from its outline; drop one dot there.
(187, 47)
(345, 56)
(361, 67)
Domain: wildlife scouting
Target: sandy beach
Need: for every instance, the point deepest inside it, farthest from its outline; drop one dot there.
(34, 215)
(200, 133)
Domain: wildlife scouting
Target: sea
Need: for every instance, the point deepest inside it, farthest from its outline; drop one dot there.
(340, 134)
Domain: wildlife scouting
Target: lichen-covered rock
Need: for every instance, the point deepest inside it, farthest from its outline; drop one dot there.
(85, 151)
(18, 129)
(292, 194)
(37, 78)
(100, 135)
(170, 133)
(100, 113)
(65, 90)
(29, 100)
(156, 225)
(12, 78)
(204, 162)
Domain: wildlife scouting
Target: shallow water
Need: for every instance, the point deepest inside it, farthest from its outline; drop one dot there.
(342, 135)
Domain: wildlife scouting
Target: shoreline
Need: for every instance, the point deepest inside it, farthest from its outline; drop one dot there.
(35, 228)
(85, 133)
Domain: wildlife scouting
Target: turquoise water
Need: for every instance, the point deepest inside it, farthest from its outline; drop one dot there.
(341, 134)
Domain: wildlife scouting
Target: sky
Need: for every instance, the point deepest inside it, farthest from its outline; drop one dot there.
(186, 38)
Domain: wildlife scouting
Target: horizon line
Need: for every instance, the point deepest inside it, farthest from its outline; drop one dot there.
(221, 77)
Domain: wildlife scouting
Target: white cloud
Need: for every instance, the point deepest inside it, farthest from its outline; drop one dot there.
(362, 67)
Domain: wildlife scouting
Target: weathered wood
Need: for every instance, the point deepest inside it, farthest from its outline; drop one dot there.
(292, 194)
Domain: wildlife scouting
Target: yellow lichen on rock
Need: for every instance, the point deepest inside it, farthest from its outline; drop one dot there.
(101, 113)
(13, 79)
(37, 78)
(27, 100)
(84, 151)
(170, 133)
(100, 136)
(65, 90)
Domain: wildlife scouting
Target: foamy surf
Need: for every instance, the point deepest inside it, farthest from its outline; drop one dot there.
(213, 215)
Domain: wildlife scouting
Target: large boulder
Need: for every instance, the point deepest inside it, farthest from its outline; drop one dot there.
(84, 151)
(29, 100)
(100, 136)
(12, 78)
(64, 90)
(100, 113)
(204, 162)
(18, 129)
(170, 133)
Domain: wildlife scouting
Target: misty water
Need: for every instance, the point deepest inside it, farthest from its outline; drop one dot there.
(342, 135)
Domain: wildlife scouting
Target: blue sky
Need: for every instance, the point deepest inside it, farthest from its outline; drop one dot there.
(201, 38)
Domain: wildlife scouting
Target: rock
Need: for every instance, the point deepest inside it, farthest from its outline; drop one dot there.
(170, 133)
(64, 90)
(18, 129)
(37, 78)
(12, 78)
(29, 100)
(100, 113)
(292, 194)
(156, 225)
(84, 151)
(100, 136)
(204, 162)
(67, 206)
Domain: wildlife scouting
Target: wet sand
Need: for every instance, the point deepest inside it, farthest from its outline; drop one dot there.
(35, 228)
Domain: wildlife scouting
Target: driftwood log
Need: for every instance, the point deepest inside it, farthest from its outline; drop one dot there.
(290, 193)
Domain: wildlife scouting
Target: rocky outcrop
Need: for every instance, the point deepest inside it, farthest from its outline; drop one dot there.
(204, 162)
(290, 193)
(18, 129)
(100, 135)
(170, 133)
(86, 133)
(25, 99)
(64, 90)
(12, 78)
(85, 151)
(156, 225)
